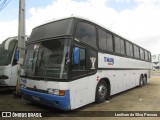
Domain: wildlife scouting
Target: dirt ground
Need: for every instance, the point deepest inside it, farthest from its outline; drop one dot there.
(146, 98)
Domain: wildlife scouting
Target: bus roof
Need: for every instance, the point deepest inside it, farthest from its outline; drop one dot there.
(89, 20)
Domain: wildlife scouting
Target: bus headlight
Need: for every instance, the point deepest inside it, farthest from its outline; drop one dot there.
(56, 92)
(23, 83)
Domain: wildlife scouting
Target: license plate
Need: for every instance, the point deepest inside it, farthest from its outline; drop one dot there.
(35, 98)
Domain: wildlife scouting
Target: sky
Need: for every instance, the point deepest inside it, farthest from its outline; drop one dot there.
(135, 20)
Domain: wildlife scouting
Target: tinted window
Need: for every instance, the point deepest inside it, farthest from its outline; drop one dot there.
(105, 40)
(86, 33)
(141, 53)
(102, 39)
(146, 56)
(128, 49)
(122, 47)
(131, 49)
(48, 59)
(6, 55)
(53, 29)
(119, 46)
(149, 56)
(109, 42)
(136, 51)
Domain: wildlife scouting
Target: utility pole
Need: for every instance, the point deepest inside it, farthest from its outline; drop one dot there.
(21, 43)
(21, 30)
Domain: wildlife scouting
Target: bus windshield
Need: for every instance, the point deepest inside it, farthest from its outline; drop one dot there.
(6, 54)
(47, 59)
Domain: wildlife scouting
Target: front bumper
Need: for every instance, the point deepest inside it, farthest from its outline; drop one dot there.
(60, 102)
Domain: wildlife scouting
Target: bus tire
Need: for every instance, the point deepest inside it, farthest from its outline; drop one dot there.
(101, 92)
(145, 80)
(141, 81)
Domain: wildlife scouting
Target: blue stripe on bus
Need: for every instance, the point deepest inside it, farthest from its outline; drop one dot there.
(60, 102)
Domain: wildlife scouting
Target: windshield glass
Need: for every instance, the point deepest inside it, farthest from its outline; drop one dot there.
(48, 59)
(6, 55)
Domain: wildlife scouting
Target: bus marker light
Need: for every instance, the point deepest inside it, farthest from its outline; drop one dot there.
(61, 92)
(56, 92)
(97, 78)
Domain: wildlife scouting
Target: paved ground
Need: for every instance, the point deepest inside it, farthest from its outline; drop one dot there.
(146, 98)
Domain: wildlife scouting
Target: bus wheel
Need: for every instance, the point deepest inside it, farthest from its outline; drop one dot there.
(101, 91)
(141, 81)
(145, 80)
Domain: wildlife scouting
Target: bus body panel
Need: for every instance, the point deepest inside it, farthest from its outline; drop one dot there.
(37, 91)
(60, 102)
(83, 90)
(120, 80)
(122, 69)
(117, 62)
(14, 76)
(11, 72)
(79, 92)
(5, 71)
(44, 85)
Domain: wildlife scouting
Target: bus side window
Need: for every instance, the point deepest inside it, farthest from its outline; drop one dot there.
(119, 45)
(149, 56)
(86, 33)
(79, 59)
(146, 56)
(141, 53)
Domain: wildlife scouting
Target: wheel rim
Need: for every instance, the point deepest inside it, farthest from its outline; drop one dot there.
(145, 79)
(102, 91)
(141, 82)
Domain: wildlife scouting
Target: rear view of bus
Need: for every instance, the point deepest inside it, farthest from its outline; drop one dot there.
(66, 68)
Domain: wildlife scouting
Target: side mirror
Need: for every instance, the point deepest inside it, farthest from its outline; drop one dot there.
(76, 55)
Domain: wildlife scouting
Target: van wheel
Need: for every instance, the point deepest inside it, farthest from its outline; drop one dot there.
(101, 92)
(141, 81)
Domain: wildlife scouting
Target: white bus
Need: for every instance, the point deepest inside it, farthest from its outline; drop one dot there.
(8, 63)
(73, 62)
